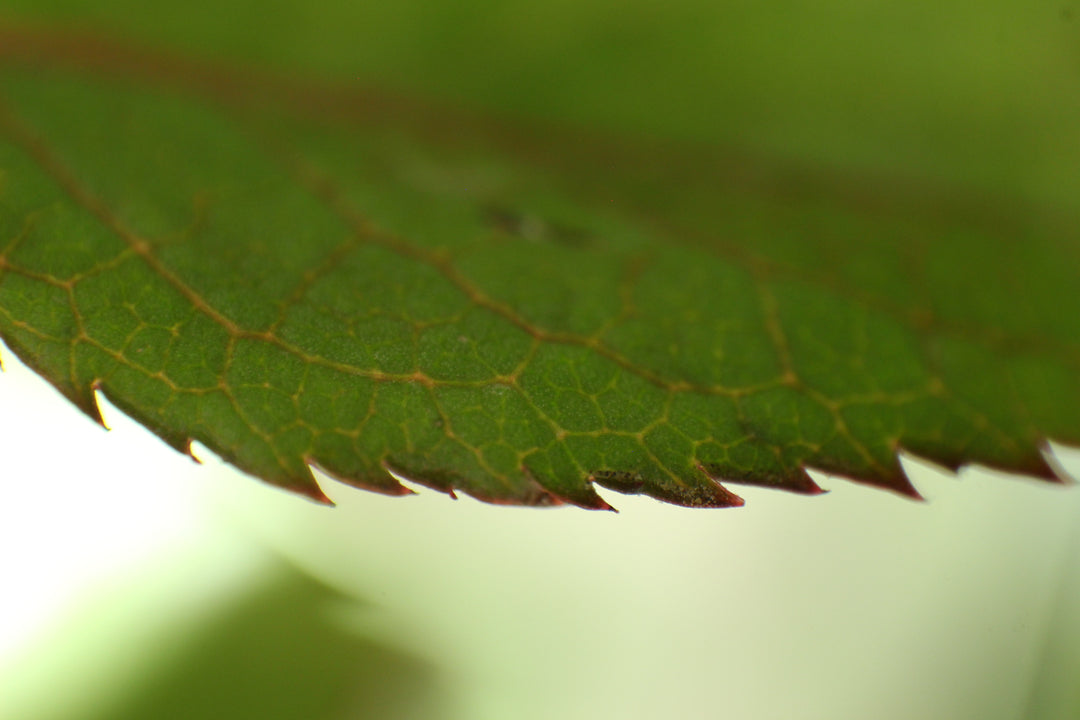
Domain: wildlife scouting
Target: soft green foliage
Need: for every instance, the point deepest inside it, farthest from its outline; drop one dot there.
(309, 664)
(295, 271)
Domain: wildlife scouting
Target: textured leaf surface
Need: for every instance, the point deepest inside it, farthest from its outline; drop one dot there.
(297, 271)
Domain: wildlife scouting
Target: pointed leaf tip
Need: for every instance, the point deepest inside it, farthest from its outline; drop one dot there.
(709, 494)
(383, 484)
(897, 482)
(443, 482)
(795, 480)
(1046, 467)
(584, 496)
(312, 492)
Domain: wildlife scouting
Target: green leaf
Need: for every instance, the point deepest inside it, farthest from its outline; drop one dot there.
(307, 666)
(218, 227)
(280, 646)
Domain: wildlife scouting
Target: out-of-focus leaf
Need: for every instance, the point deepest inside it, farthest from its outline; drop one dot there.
(282, 652)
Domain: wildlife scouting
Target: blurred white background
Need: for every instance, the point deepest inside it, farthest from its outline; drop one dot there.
(855, 604)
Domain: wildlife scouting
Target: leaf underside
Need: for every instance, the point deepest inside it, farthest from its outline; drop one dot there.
(301, 274)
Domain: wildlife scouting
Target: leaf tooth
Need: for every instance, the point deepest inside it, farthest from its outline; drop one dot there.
(1036, 461)
(441, 481)
(533, 497)
(309, 487)
(187, 450)
(536, 495)
(948, 463)
(1061, 475)
(892, 478)
(530, 493)
(178, 440)
(383, 483)
(708, 494)
(1039, 464)
(713, 495)
(588, 499)
(795, 480)
(627, 483)
(583, 496)
(86, 399)
(81, 396)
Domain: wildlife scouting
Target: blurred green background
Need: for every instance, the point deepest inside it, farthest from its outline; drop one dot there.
(137, 584)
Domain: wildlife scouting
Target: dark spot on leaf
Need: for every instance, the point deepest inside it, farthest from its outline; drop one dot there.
(703, 496)
(532, 227)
